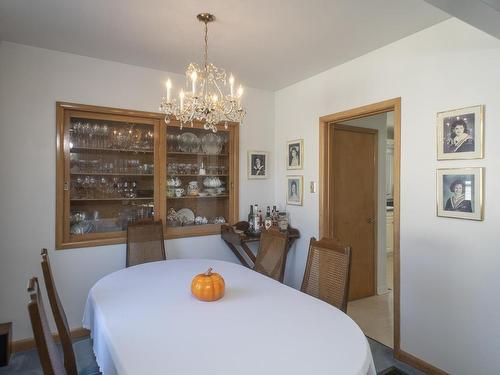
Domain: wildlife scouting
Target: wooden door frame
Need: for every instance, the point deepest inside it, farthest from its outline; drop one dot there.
(339, 126)
(325, 185)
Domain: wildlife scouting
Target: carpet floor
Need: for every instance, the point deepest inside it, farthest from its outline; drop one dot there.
(27, 363)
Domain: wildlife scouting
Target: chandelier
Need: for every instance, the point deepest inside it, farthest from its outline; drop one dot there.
(209, 101)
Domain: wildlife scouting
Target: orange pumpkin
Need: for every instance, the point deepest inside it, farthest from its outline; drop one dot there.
(208, 286)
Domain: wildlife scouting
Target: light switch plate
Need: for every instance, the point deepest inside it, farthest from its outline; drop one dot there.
(312, 187)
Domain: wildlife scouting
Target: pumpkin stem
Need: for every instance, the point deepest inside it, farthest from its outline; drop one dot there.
(209, 272)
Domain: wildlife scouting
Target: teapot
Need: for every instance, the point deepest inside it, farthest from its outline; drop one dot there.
(193, 188)
(174, 182)
(212, 182)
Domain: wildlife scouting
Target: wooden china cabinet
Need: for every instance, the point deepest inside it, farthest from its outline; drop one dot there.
(117, 166)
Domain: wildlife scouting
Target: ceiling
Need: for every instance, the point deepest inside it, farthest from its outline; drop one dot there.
(482, 14)
(268, 44)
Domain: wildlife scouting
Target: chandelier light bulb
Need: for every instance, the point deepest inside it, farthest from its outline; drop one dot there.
(215, 98)
(168, 84)
(181, 98)
(194, 77)
(231, 85)
(240, 91)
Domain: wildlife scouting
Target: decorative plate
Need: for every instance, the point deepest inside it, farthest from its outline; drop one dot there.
(185, 216)
(211, 143)
(189, 142)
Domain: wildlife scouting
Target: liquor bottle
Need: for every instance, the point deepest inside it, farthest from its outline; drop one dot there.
(251, 219)
(274, 217)
(268, 221)
(256, 223)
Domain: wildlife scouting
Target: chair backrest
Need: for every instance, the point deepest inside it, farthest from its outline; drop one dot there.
(145, 243)
(59, 316)
(327, 272)
(271, 256)
(50, 357)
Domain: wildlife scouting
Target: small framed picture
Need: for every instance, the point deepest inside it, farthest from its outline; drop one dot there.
(258, 165)
(294, 190)
(460, 193)
(460, 133)
(295, 154)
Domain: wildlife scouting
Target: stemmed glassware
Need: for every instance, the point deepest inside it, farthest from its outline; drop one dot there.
(90, 187)
(101, 136)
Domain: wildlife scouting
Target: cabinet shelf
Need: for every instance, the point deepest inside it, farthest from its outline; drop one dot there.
(173, 153)
(198, 197)
(111, 199)
(197, 175)
(97, 150)
(192, 230)
(111, 174)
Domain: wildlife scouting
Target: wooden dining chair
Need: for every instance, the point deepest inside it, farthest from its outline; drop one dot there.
(271, 256)
(50, 357)
(145, 243)
(59, 316)
(327, 272)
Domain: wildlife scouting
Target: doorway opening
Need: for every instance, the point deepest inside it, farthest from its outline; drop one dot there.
(359, 205)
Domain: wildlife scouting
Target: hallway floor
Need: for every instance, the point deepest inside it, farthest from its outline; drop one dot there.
(375, 315)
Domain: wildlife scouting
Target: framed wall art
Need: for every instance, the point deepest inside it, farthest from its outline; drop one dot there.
(294, 190)
(460, 133)
(295, 154)
(258, 165)
(460, 193)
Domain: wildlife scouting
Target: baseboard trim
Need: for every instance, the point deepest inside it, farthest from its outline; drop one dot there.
(27, 344)
(382, 290)
(418, 363)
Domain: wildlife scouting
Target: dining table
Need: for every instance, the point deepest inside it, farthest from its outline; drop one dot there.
(144, 320)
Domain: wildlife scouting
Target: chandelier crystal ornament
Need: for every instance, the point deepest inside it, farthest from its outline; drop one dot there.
(209, 100)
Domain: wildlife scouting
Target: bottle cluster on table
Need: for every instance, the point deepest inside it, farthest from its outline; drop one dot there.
(258, 221)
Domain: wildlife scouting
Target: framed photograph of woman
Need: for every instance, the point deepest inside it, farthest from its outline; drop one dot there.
(294, 190)
(258, 165)
(460, 133)
(295, 154)
(460, 193)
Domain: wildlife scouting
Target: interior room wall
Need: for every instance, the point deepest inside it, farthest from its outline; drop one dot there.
(378, 122)
(31, 81)
(449, 267)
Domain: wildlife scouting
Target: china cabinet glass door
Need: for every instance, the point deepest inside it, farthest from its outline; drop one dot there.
(200, 191)
(109, 175)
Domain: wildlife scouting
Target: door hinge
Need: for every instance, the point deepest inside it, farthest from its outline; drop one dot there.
(66, 186)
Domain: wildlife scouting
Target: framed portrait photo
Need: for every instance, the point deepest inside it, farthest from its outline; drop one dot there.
(460, 193)
(294, 190)
(258, 165)
(295, 154)
(460, 133)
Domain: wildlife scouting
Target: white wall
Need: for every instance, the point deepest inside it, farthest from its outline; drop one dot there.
(31, 81)
(379, 122)
(450, 269)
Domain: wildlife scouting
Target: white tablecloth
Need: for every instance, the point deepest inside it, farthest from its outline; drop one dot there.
(144, 321)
